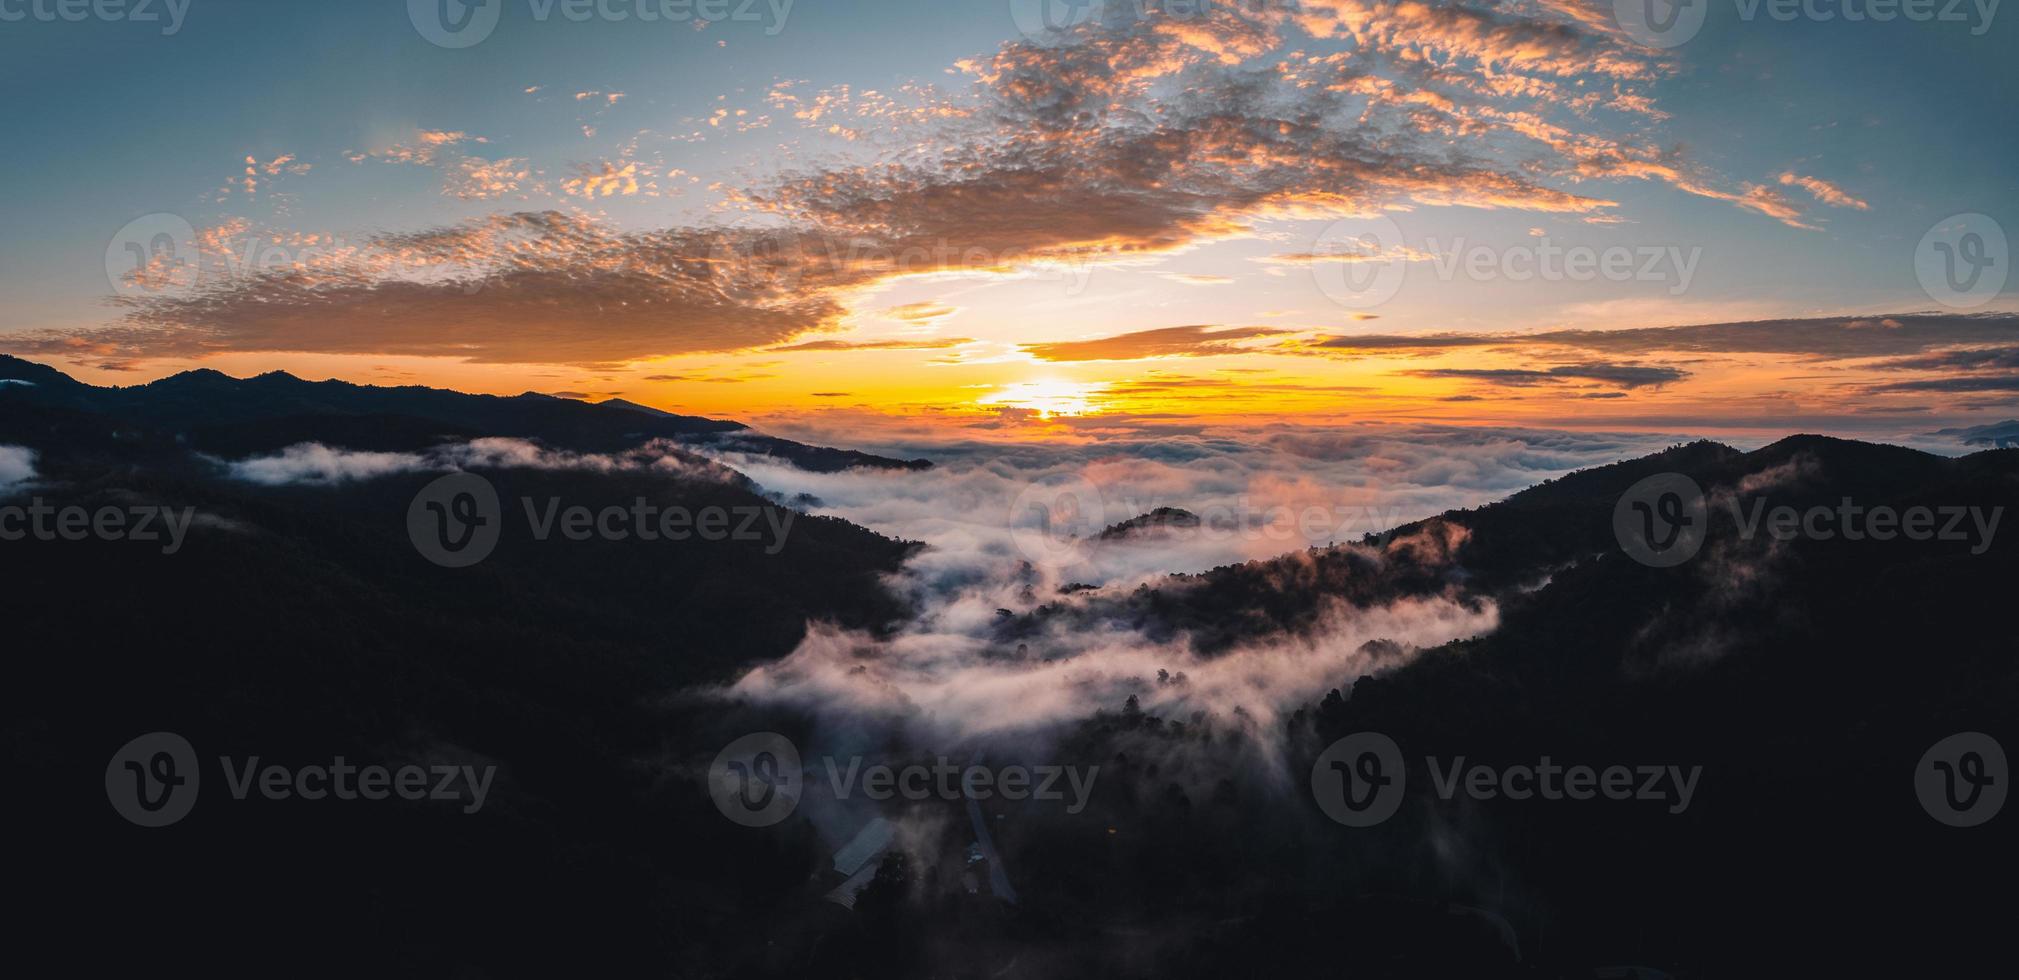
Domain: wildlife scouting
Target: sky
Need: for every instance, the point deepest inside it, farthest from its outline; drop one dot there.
(902, 220)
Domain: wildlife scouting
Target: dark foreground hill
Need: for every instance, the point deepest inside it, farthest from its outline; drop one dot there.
(1804, 675)
(1506, 550)
(299, 622)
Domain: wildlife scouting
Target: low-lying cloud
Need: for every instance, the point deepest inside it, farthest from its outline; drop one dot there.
(316, 464)
(1011, 527)
(951, 685)
(17, 467)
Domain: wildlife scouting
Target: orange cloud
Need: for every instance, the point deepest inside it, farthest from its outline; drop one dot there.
(1195, 341)
(1824, 191)
(602, 180)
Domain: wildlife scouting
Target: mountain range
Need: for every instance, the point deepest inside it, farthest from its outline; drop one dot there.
(213, 412)
(1804, 676)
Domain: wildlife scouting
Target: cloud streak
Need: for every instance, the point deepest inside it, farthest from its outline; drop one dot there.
(1197, 341)
(1833, 338)
(315, 464)
(1130, 137)
(1622, 375)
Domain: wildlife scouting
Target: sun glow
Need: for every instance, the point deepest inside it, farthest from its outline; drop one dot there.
(1049, 397)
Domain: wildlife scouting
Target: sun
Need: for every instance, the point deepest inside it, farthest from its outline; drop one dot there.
(1049, 397)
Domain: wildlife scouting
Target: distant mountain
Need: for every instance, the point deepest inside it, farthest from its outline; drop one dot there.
(635, 407)
(214, 412)
(1162, 517)
(2003, 435)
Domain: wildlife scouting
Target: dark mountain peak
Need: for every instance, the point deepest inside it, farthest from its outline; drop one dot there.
(222, 413)
(1607, 482)
(631, 406)
(1808, 442)
(198, 378)
(1873, 461)
(1702, 451)
(15, 369)
(1162, 517)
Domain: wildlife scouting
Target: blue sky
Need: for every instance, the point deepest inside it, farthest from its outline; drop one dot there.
(1907, 123)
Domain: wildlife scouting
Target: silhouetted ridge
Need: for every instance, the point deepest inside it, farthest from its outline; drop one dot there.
(213, 411)
(1162, 517)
